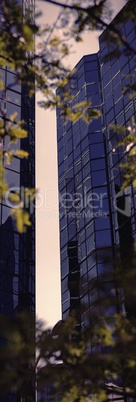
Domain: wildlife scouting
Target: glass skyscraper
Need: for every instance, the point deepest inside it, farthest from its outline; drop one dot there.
(17, 250)
(96, 217)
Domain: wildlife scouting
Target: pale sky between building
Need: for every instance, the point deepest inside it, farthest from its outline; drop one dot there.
(48, 302)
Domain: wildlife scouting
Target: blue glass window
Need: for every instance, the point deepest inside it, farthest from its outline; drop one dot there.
(81, 81)
(77, 152)
(93, 272)
(105, 66)
(91, 66)
(75, 126)
(91, 76)
(95, 125)
(94, 138)
(117, 93)
(108, 103)
(116, 80)
(71, 231)
(84, 144)
(83, 249)
(76, 139)
(61, 156)
(70, 159)
(97, 150)
(11, 78)
(11, 108)
(103, 238)
(98, 164)
(90, 58)
(123, 59)
(102, 223)
(86, 170)
(110, 116)
(108, 90)
(118, 106)
(132, 63)
(129, 26)
(107, 77)
(90, 243)
(133, 44)
(126, 99)
(95, 99)
(115, 68)
(99, 178)
(131, 36)
(69, 146)
(92, 88)
(61, 169)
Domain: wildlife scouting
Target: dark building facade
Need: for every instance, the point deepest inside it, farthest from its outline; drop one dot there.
(17, 250)
(19, 174)
(96, 217)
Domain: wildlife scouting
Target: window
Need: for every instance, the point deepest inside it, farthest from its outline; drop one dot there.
(102, 223)
(99, 178)
(92, 88)
(110, 116)
(95, 125)
(13, 97)
(11, 108)
(129, 26)
(91, 76)
(90, 243)
(106, 77)
(11, 78)
(95, 99)
(84, 143)
(76, 139)
(98, 164)
(115, 68)
(97, 150)
(69, 146)
(116, 80)
(117, 93)
(77, 152)
(118, 106)
(65, 268)
(108, 90)
(95, 138)
(103, 238)
(108, 103)
(92, 65)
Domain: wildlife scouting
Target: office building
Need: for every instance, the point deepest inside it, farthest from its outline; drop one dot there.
(17, 250)
(96, 217)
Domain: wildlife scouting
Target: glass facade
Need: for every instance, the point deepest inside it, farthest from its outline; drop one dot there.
(19, 174)
(17, 251)
(96, 217)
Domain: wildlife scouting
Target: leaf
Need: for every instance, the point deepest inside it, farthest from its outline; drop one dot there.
(134, 183)
(54, 41)
(21, 154)
(16, 133)
(22, 218)
(132, 151)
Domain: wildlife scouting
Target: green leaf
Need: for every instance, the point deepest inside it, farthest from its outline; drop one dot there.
(22, 219)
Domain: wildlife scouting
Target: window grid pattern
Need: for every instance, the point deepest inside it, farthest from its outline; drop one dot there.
(88, 162)
(17, 256)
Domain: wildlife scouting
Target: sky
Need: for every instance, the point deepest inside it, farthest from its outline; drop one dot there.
(48, 300)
